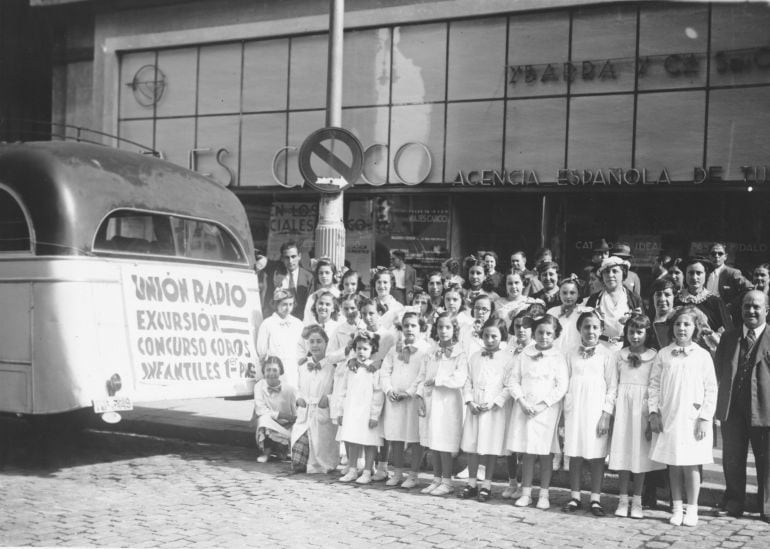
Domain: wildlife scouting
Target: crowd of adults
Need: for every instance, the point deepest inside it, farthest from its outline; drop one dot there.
(733, 308)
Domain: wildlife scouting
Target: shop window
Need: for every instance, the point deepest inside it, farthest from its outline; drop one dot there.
(535, 135)
(538, 48)
(673, 43)
(174, 137)
(600, 131)
(136, 70)
(739, 46)
(262, 136)
(474, 137)
(14, 228)
(138, 131)
(219, 147)
(366, 68)
(178, 68)
(604, 49)
(219, 79)
(477, 59)
(417, 137)
(670, 132)
(419, 63)
(371, 127)
(265, 75)
(156, 234)
(307, 78)
(739, 133)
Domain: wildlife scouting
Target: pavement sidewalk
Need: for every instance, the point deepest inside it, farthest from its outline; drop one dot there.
(229, 421)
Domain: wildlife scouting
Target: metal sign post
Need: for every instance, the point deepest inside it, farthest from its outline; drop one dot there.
(330, 232)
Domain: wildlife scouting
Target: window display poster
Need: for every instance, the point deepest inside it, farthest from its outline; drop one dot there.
(292, 221)
(359, 238)
(418, 225)
(645, 248)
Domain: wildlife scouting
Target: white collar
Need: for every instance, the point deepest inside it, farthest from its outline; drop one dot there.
(757, 331)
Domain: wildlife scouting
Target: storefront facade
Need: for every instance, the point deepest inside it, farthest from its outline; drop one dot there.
(483, 128)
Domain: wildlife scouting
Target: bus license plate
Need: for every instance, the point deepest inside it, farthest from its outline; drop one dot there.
(113, 404)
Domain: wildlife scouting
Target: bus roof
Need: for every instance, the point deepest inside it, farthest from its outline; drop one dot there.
(68, 188)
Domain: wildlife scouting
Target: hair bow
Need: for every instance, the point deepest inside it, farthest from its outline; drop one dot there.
(681, 351)
(634, 360)
(490, 353)
(274, 390)
(587, 352)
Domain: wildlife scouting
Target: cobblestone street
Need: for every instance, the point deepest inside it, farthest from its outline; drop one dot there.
(118, 490)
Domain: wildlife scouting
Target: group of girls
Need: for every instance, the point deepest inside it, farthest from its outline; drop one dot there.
(443, 375)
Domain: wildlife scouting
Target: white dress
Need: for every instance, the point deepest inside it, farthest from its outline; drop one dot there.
(537, 376)
(591, 391)
(569, 340)
(484, 433)
(358, 399)
(442, 427)
(330, 327)
(683, 389)
(389, 318)
(315, 421)
(282, 337)
(400, 419)
(630, 449)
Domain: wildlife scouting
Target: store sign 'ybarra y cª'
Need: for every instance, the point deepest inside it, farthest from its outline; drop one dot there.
(583, 177)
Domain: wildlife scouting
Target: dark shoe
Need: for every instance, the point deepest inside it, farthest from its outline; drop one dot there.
(572, 505)
(597, 510)
(484, 494)
(469, 492)
(728, 509)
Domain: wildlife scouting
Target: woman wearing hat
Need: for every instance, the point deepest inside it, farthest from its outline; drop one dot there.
(694, 292)
(632, 282)
(614, 301)
(600, 251)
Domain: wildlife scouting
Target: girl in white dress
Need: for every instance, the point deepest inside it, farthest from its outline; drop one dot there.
(486, 396)
(444, 375)
(476, 278)
(324, 313)
(324, 280)
(482, 309)
(280, 335)
(588, 407)
(400, 376)
(454, 304)
(515, 301)
(630, 446)
(358, 407)
(683, 392)
(567, 313)
(388, 308)
(537, 384)
(314, 447)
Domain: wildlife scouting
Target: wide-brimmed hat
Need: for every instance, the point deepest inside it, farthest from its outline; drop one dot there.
(612, 261)
(600, 246)
(621, 249)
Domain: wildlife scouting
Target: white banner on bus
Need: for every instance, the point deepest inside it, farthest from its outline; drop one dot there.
(194, 328)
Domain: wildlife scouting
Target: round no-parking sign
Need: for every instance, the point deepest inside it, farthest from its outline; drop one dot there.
(331, 159)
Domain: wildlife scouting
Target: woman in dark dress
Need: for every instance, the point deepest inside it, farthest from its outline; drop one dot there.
(663, 296)
(548, 273)
(696, 271)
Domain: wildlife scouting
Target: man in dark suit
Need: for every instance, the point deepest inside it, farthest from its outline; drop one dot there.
(405, 276)
(743, 404)
(291, 276)
(725, 281)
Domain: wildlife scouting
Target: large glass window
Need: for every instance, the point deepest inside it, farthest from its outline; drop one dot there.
(14, 229)
(535, 135)
(538, 48)
(600, 132)
(158, 234)
(477, 59)
(419, 63)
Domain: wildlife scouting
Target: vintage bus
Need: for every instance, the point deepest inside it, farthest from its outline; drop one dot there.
(123, 278)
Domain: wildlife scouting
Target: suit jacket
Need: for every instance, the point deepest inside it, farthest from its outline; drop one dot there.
(727, 366)
(304, 287)
(633, 283)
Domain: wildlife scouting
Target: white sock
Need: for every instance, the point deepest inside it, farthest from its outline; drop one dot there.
(676, 505)
(447, 481)
(576, 495)
(526, 492)
(596, 497)
(692, 509)
(636, 500)
(382, 466)
(486, 484)
(472, 482)
(543, 493)
(436, 480)
(623, 499)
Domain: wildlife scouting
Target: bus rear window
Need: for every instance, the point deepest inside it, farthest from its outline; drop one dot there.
(145, 233)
